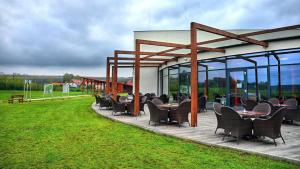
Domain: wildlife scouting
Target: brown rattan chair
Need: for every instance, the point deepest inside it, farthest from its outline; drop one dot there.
(263, 108)
(164, 98)
(273, 109)
(117, 107)
(181, 114)
(157, 115)
(157, 101)
(270, 127)
(202, 104)
(97, 97)
(142, 103)
(248, 104)
(220, 120)
(105, 103)
(274, 101)
(291, 103)
(234, 124)
(122, 99)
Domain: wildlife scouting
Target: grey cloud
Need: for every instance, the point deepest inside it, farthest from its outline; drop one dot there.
(60, 33)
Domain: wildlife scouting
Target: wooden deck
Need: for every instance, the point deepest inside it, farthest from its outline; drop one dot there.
(204, 134)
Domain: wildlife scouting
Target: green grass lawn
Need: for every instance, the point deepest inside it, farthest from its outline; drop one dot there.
(5, 94)
(68, 134)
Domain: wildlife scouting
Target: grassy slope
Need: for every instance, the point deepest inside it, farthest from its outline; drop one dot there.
(68, 134)
(5, 94)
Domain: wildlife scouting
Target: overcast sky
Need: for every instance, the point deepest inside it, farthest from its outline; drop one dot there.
(57, 36)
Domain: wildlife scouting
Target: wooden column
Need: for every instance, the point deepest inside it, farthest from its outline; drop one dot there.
(115, 76)
(137, 79)
(87, 85)
(194, 76)
(107, 87)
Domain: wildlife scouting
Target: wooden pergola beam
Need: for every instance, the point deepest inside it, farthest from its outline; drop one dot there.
(252, 34)
(132, 63)
(149, 53)
(206, 49)
(149, 59)
(228, 34)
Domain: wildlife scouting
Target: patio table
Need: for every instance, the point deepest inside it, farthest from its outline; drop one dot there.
(169, 107)
(251, 114)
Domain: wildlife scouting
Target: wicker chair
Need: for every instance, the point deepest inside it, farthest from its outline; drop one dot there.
(292, 114)
(274, 101)
(202, 104)
(217, 109)
(164, 98)
(183, 98)
(97, 99)
(157, 115)
(122, 99)
(142, 103)
(292, 111)
(157, 101)
(181, 114)
(234, 124)
(105, 103)
(130, 108)
(248, 104)
(273, 109)
(117, 107)
(263, 108)
(270, 127)
(291, 103)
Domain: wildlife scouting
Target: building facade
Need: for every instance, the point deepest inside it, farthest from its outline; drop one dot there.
(244, 70)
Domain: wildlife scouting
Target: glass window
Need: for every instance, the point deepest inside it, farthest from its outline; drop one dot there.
(261, 61)
(185, 79)
(262, 82)
(201, 82)
(289, 58)
(274, 81)
(173, 85)
(290, 80)
(216, 83)
(237, 63)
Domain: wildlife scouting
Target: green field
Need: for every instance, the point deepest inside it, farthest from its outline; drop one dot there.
(5, 94)
(68, 134)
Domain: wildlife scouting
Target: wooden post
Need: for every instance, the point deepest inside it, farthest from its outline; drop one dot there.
(137, 79)
(87, 85)
(194, 76)
(107, 87)
(115, 76)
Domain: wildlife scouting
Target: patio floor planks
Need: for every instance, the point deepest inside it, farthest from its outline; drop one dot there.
(204, 134)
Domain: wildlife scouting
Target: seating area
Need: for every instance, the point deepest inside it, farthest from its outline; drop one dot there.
(253, 121)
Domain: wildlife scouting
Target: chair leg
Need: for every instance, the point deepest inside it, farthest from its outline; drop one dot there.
(282, 138)
(274, 142)
(237, 140)
(216, 130)
(149, 122)
(223, 137)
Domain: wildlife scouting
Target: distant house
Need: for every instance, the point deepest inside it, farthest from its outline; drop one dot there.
(75, 83)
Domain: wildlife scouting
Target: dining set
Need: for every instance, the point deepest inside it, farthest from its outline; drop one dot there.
(258, 119)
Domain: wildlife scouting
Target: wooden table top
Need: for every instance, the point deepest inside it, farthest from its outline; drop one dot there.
(251, 114)
(168, 105)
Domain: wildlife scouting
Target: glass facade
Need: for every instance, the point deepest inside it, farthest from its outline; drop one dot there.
(241, 77)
